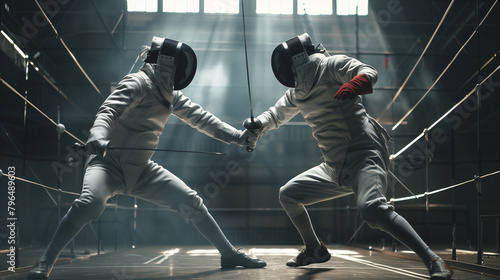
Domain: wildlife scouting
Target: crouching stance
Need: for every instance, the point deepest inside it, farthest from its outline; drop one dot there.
(134, 116)
(326, 91)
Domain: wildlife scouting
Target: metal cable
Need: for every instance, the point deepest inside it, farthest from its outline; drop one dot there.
(445, 115)
(67, 49)
(40, 111)
(443, 189)
(444, 71)
(418, 61)
(38, 184)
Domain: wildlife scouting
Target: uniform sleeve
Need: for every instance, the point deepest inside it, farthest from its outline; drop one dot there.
(282, 112)
(128, 94)
(342, 69)
(205, 122)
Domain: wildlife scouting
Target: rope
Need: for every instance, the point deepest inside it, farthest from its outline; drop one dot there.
(38, 70)
(418, 61)
(445, 115)
(67, 49)
(401, 183)
(51, 83)
(443, 189)
(41, 185)
(40, 111)
(446, 69)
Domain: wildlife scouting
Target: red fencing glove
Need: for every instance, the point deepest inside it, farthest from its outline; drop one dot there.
(359, 85)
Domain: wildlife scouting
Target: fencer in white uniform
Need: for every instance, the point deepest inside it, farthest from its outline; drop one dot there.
(134, 116)
(326, 91)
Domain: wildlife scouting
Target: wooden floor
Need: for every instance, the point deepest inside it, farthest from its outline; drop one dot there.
(203, 262)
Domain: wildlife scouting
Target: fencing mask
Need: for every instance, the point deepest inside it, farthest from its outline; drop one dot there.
(175, 55)
(288, 56)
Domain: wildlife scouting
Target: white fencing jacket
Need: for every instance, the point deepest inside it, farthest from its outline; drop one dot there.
(333, 121)
(135, 114)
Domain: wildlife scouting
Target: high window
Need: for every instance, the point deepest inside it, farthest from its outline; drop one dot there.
(352, 7)
(142, 5)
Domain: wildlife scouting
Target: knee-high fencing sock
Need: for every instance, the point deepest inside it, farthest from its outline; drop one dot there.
(303, 224)
(65, 232)
(400, 229)
(209, 228)
(300, 218)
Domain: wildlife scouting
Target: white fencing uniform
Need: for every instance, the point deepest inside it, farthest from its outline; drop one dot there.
(325, 90)
(346, 137)
(353, 145)
(134, 115)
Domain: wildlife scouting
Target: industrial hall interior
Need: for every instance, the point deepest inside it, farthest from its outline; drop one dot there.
(250, 139)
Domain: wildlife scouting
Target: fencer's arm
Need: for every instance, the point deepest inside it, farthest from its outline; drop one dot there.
(282, 112)
(343, 69)
(195, 116)
(127, 95)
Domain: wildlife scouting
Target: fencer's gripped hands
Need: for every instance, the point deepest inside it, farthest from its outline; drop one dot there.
(98, 141)
(359, 85)
(254, 125)
(247, 138)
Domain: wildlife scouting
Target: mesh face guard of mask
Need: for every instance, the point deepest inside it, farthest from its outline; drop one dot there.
(174, 55)
(288, 56)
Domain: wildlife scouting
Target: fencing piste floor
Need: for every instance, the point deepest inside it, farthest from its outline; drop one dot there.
(203, 262)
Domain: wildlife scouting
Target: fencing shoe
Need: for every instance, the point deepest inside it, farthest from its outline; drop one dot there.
(41, 270)
(319, 255)
(241, 259)
(439, 270)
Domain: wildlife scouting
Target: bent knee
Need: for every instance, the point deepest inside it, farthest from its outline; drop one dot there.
(378, 215)
(191, 208)
(292, 206)
(282, 194)
(286, 196)
(83, 212)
